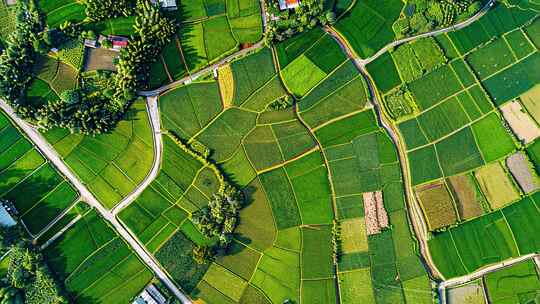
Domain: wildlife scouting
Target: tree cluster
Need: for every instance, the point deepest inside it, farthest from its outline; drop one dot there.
(28, 278)
(153, 31)
(28, 272)
(79, 110)
(19, 55)
(287, 23)
(425, 15)
(221, 216)
(97, 10)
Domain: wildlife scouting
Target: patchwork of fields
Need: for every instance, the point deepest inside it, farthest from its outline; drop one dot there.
(293, 126)
(302, 172)
(112, 165)
(95, 264)
(29, 181)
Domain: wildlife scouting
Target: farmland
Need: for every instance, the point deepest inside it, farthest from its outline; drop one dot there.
(283, 160)
(298, 166)
(96, 264)
(113, 164)
(38, 191)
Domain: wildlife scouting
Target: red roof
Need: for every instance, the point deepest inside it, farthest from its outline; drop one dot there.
(121, 43)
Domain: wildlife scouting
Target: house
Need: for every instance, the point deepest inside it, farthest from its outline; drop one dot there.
(118, 42)
(150, 295)
(90, 43)
(5, 216)
(169, 5)
(288, 4)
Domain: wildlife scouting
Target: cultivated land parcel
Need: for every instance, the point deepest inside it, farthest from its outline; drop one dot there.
(365, 176)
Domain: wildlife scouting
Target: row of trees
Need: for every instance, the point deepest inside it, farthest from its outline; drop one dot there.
(97, 10)
(81, 111)
(287, 23)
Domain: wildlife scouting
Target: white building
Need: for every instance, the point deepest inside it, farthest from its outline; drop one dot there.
(150, 295)
(5, 218)
(169, 5)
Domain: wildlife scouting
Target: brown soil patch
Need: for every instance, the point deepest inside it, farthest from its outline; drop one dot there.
(469, 199)
(521, 123)
(99, 59)
(437, 204)
(375, 215)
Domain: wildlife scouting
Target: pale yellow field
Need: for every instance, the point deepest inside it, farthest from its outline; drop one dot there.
(521, 123)
(496, 185)
(353, 235)
(226, 84)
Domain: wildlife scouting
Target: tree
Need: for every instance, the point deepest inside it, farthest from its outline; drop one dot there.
(70, 96)
(203, 254)
(331, 17)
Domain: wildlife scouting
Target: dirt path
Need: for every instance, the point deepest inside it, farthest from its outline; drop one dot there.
(414, 211)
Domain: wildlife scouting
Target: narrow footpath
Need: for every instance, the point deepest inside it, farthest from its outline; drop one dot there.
(414, 211)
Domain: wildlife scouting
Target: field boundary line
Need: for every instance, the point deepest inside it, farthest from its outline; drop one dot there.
(47, 195)
(59, 233)
(323, 98)
(336, 119)
(463, 127)
(58, 217)
(98, 248)
(162, 60)
(286, 162)
(45, 163)
(332, 196)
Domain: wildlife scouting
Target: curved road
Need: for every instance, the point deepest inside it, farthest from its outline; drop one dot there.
(415, 213)
(152, 108)
(50, 153)
(454, 27)
(155, 123)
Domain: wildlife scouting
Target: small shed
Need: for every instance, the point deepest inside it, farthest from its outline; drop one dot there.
(150, 295)
(169, 5)
(90, 43)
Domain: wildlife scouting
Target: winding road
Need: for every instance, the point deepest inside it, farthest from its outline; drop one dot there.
(415, 213)
(50, 153)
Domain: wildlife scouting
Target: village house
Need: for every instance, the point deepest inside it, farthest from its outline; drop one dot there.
(288, 4)
(6, 211)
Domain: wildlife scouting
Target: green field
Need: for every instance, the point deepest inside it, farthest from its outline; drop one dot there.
(112, 164)
(520, 282)
(368, 25)
(488, 239)
(96, 264)
(37, 190)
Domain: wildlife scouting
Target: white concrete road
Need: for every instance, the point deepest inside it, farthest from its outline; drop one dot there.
(48, 151)
(110, 215)
(155, 122)
(480, 273)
